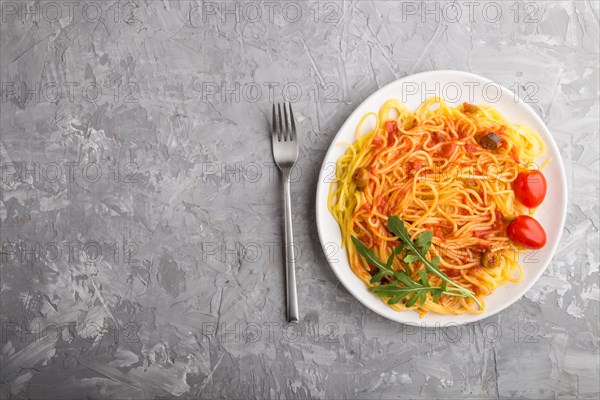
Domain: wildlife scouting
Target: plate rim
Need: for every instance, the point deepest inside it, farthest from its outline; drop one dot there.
(322, 185)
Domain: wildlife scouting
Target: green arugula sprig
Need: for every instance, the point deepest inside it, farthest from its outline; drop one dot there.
(412, 290)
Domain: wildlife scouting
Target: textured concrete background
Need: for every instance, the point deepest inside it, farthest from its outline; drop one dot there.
(141, 214)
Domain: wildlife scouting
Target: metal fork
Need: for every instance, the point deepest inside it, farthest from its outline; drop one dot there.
(285, 153)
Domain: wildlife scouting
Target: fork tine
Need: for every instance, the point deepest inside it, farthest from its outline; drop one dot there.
(293, 130)
(281, 133)
(286, 133)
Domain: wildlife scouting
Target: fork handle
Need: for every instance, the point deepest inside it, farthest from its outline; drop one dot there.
(290, 259)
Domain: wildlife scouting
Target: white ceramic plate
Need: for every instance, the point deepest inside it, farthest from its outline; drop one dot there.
(455, 87)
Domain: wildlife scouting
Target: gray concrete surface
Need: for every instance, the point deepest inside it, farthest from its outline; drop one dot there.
(141, 214)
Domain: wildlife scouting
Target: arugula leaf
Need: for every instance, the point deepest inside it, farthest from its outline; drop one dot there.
(424, 277)
(413, 299)
(438, 293)
(423, 241)
(418, 250)
(413, 290)
(411, 258)
(403, 287)
(398, 293)
(368, 254)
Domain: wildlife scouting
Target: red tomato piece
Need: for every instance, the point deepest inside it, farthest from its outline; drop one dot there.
(530, 188)
(391, 126)
(513, 153)
(527, 232)
(470, 108)
(452, 273)
(377, 141)
(481, 234)
(379, 203)
(414, 167)
(447, 150)
(499, 223)
(470, 148)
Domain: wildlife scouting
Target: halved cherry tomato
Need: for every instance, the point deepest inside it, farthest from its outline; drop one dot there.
(527, 232)
(530, 188)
